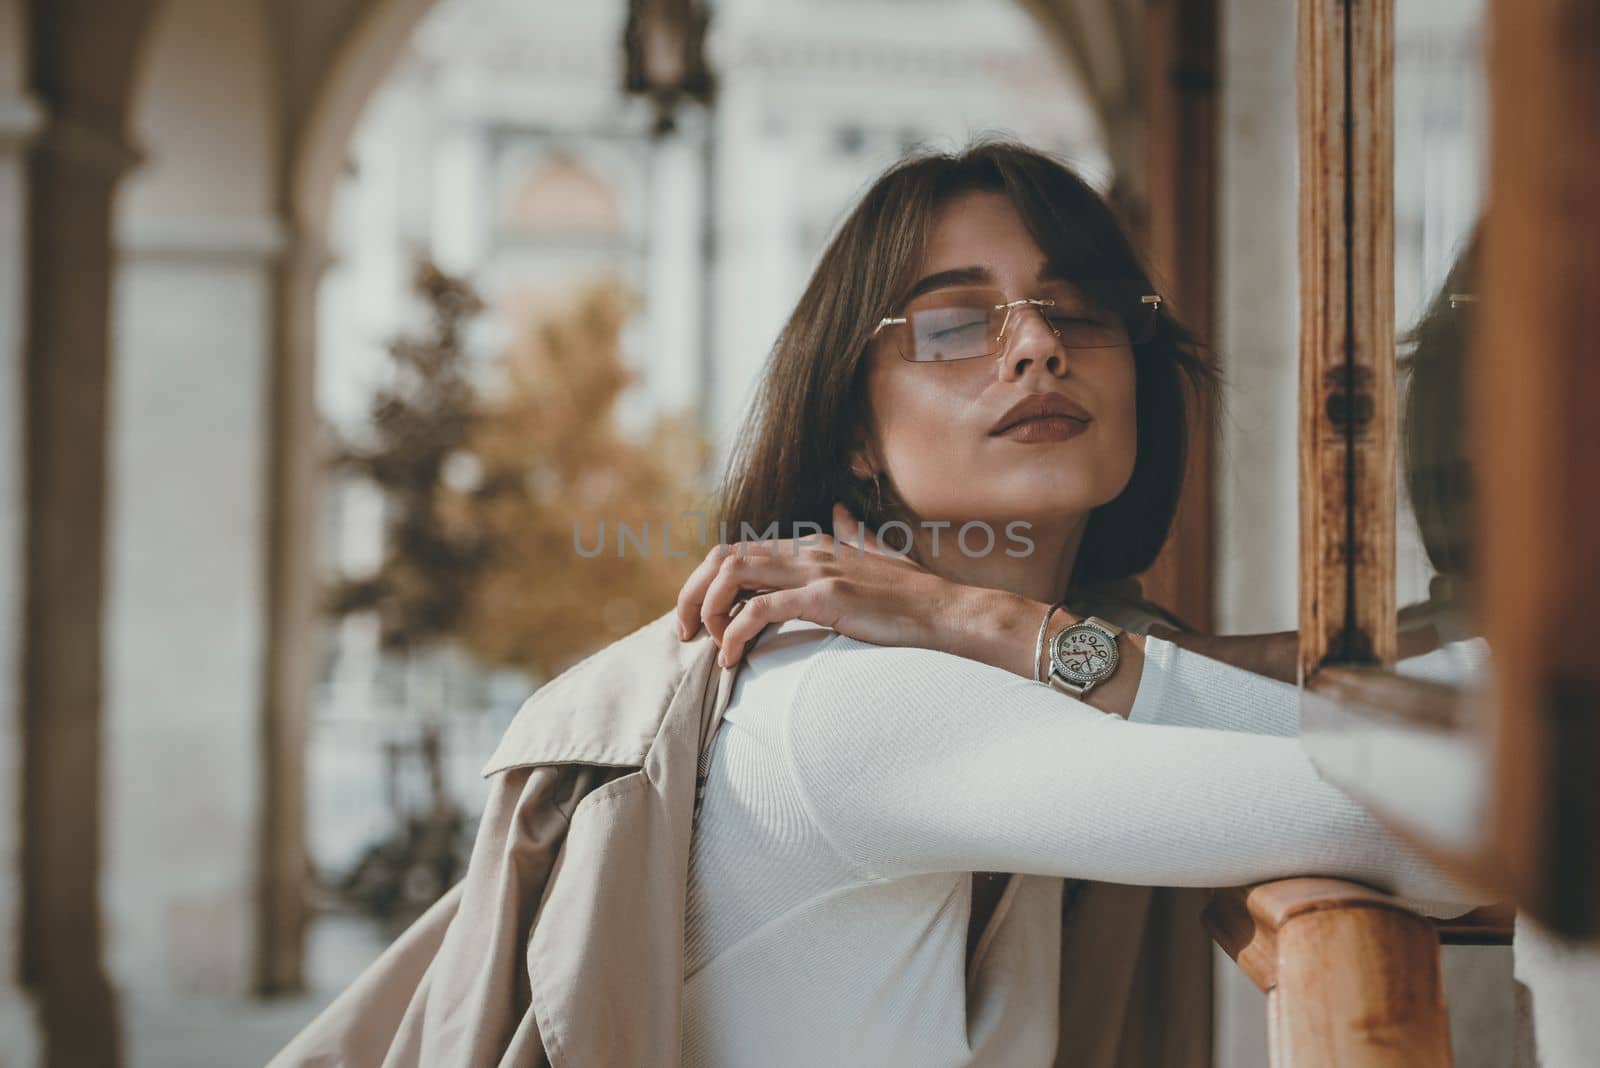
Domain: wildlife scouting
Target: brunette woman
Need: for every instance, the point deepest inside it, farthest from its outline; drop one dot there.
(982, 370)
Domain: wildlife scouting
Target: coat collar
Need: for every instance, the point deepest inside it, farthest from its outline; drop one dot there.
(611, 926)
(607, 708)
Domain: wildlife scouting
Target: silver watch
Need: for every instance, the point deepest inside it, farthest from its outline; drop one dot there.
(1083, 655)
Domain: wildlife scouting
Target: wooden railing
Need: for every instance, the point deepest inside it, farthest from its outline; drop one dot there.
(1351, 975)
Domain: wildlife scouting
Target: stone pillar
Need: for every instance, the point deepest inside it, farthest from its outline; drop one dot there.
(294, 468)
(72, 174)
(19, 121)
(185, 616)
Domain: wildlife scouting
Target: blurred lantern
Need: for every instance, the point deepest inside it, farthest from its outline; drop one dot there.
(664, 47)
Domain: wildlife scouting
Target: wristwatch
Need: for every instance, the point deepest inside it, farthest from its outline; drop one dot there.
(1083, 655)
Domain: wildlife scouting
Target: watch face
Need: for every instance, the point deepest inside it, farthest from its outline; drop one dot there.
(1084, 653)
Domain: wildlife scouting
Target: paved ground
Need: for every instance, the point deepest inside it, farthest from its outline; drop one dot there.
(240, 1033)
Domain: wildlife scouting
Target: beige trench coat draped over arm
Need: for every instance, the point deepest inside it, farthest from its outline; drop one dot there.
(563, 943)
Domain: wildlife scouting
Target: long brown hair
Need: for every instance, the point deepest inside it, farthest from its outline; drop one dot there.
(790, 461)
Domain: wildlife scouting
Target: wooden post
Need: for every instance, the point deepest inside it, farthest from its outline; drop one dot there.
(1534, 377)
(1347, 354)
(1351, 977)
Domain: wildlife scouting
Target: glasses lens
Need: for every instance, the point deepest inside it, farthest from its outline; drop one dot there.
(1091, 326)
(952, 327)
(959, 324)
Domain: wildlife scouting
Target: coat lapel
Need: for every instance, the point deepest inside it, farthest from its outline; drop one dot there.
(608, 948)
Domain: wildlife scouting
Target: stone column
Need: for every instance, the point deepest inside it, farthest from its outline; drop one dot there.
(294, 467)
(19, 121)
(71, 176)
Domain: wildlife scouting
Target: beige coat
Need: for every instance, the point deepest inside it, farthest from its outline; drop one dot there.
(563, 944)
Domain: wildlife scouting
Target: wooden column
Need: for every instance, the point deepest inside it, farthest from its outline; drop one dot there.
(1534, 382)
(1180, 236)
(1347, 353)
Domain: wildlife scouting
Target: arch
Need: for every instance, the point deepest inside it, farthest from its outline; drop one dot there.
(1097, 39)
(83, 55)
(204, 112)
(358, 68)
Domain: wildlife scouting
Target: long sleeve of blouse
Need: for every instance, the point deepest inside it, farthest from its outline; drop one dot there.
(912, 761)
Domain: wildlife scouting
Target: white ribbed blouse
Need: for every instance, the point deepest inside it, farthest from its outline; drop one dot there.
(854, 787)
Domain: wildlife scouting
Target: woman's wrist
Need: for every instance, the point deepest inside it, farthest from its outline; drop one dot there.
(1002, 629)
(999, 628)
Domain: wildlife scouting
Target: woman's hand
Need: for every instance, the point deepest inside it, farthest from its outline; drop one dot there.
(846, 581)
(874, 596)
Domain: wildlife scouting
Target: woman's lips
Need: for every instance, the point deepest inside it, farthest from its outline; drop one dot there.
(1044, 428)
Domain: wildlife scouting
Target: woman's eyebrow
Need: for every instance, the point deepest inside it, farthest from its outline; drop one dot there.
(956, 276)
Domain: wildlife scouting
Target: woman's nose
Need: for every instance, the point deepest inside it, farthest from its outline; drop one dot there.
(1030, 341)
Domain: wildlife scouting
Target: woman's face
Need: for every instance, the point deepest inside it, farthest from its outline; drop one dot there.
(936, 422)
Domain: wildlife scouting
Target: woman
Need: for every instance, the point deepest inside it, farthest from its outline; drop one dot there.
(980, 364)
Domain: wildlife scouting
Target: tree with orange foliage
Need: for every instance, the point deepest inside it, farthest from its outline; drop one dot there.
(555, 472)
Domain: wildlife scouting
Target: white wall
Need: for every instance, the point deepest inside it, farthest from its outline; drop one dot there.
(1257, 321)
(186, 598)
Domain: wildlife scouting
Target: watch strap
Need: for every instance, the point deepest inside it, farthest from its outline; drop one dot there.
(1105, 624)
(1071, 689)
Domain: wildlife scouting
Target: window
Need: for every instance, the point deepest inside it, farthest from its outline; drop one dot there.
(1490, 771)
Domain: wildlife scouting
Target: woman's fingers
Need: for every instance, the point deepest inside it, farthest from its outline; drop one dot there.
(691, 606)
(693, 593)
(770, 606)
(763, 565)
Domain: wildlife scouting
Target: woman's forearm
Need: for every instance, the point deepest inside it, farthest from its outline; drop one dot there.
(912, 763)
